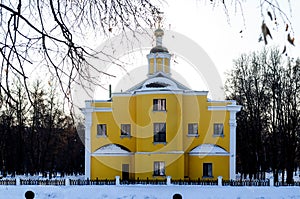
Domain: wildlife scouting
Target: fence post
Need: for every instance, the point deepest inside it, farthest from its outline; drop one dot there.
(168, 180)
(67, 181)
(18, 181)
(271, 181)
(220, 180)
(117, 180)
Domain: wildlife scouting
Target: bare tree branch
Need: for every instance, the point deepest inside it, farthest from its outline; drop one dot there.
(46, 33)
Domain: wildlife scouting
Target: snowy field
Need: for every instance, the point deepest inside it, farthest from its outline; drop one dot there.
(149, 192)
(146, 191)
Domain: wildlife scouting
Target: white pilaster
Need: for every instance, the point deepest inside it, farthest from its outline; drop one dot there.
(232, 124)
(88, 124)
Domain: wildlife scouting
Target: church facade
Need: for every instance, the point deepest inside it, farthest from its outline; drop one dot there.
(160, 128)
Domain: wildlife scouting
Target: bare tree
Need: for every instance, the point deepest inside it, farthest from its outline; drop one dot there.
(268, 125)
(51, 34)
(46, 34)
(272, 13)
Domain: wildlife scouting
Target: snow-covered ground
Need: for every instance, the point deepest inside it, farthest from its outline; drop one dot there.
(146, 191)
(149, 192)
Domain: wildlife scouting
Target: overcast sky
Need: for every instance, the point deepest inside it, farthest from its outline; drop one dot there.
(223, 38)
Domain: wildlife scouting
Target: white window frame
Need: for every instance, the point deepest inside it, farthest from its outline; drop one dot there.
(159, 129)
(101, 130)
(159, 104)
(125, 130)
(159, 168)
(207, 170)
(219, 129)
(193, 129)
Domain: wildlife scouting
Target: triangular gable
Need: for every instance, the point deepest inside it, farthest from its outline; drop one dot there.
(161, 76)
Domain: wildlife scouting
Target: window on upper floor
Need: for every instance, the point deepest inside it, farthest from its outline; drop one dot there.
(101, 130)
(207, 170)
(159, 105)
(125, 130)
(159, 168)
(193, 129)
(159, 132)
(218, 129)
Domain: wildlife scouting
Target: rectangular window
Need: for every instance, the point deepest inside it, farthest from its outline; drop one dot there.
(159, 132)
(159, 169)
(159, 104)
(193, 129)
(218, 130)
(207, 170)
(101, 129)
(125, 129)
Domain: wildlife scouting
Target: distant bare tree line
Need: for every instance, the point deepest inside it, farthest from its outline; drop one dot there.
(52, 34)
(38, 136)
(267, 85)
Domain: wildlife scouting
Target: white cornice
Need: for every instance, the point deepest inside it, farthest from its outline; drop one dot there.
(159, 55)
(95, 101)
(95, 109)
(235, 108)
(196, 93)
(112, 154)
(161, 91)
(159, 152)
(137, 153)
(208, 154)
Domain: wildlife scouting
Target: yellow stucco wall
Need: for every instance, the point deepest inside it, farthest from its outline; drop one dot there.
(166, 65)
(220, 166)
(107, 167)
(144, 164)
(151, 66)
(146, 117)
(181, 110)
(159, 64)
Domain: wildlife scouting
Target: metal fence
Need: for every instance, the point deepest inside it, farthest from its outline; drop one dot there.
(286, 184)
(236, 183)
(194, 182)
(201, 182)
(55, 182)
(8, 182)
(144, 182)
(92, 182)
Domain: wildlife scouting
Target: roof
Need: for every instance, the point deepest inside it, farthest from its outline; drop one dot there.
(159, 49)
(208, 149)
(159, 81)
(111, 149)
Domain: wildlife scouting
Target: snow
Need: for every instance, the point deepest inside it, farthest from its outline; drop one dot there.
(111, 149)
(170, 85)
(208, 149)
(149, 192)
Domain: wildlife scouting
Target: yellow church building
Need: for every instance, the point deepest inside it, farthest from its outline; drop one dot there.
(160, 128)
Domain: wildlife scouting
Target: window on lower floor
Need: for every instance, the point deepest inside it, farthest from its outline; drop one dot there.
(159, 104)
(101, 129)
(159, 169)
(218, 129)
(193, 129)
(159, 132)
(207, 170)
(125, 129)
